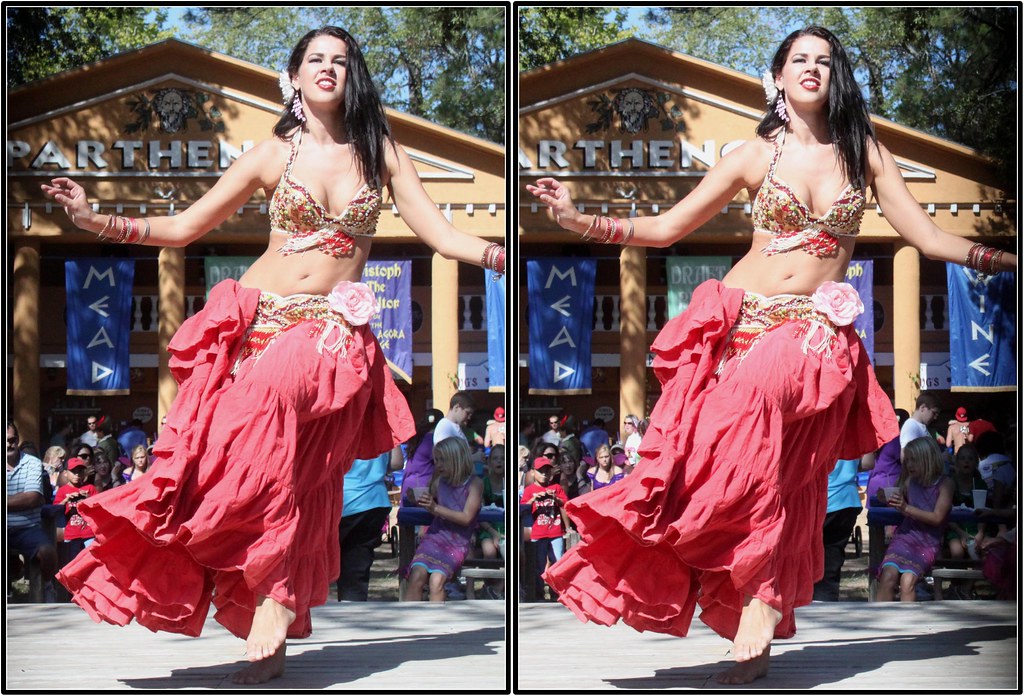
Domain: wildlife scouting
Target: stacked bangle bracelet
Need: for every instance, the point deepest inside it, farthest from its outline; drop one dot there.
(611, 230)
(125, 230)
(983, 259)
(493, 258)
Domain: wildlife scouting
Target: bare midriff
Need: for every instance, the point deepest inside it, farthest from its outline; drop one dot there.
(310, 272)
(793, 273)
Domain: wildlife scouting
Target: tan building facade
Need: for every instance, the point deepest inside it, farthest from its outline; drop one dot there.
(632, 127)
(147, 133)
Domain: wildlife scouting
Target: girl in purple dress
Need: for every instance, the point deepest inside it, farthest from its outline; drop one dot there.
(925, 497)
(605, 472)
(454, 501)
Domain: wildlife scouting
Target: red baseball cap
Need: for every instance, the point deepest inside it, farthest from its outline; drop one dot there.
(76, 462)
(541, 462)
(961, 414)
(499, 414)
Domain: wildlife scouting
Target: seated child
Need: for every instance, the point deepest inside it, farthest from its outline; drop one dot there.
(77, 534)
(454, 500)
(966, 480)
(925, 497)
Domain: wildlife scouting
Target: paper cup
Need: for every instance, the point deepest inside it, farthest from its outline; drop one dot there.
(890, 492)
(980, 498)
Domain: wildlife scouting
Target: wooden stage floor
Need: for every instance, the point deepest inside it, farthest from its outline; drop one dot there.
(393, 646)
(853, 646)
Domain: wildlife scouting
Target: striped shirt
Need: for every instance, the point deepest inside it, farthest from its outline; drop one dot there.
(26, 477)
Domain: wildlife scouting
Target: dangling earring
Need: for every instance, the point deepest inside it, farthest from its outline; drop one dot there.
(780, 109)
(297, 108)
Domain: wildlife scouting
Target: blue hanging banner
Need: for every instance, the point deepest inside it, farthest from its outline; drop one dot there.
(982, 333)
(391, 282)
(495, 331)
(861, 275)
(561, 315)
(99, 314)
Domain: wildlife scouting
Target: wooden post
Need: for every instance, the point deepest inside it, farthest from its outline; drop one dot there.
(25, 341)
(444, 329)
(632, 332)
(171, 281)
(906, 312)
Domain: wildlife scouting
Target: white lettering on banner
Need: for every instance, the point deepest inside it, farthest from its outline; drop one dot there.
(100, 371)
(571, 273)
(975, 330)
(562, 305)
(100, 306)
(108, 274)
(562, 371)
(101, 339)
(980, 364)
(562, 337)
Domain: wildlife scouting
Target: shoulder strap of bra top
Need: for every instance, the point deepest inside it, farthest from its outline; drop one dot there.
(775, 157)
(779, 140)
(296, 139)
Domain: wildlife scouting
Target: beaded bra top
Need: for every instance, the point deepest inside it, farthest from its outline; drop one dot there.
(781, 213)
(308, 224)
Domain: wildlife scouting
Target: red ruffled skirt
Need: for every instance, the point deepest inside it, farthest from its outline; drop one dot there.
(245, 493)
(760, 397)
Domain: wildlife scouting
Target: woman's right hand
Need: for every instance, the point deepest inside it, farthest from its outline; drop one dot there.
(555, 196)
(72, 197)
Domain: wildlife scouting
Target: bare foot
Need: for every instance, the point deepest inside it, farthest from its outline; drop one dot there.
(263, 670)
(269, 629)
(746, 672)
(757, 628)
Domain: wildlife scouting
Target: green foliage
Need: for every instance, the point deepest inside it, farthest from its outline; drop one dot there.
(444, 64)
(549, 34)
(948, 71)
(44, 41)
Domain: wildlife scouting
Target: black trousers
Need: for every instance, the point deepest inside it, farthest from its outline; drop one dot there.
(359, 535)
(835, 534)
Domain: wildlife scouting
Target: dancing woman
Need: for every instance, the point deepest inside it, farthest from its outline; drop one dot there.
(282, 384)
(764, 381)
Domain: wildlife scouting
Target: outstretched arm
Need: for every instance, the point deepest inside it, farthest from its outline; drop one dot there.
(912, 223)
(742, 168)
(427, 222)
(247, 174)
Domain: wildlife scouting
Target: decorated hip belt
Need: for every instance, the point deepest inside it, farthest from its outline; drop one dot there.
(832, 305)
(333, 317)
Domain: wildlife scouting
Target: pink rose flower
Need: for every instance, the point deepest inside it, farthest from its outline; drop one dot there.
(354, 301)
(838, 301)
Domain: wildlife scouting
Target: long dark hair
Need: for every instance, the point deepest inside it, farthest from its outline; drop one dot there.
(365, 122)
(849, 122)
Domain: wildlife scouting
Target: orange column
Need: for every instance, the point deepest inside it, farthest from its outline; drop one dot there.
(632, 331)
(444, 329)
(171, 266)
(25, 340)
(906, 340)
